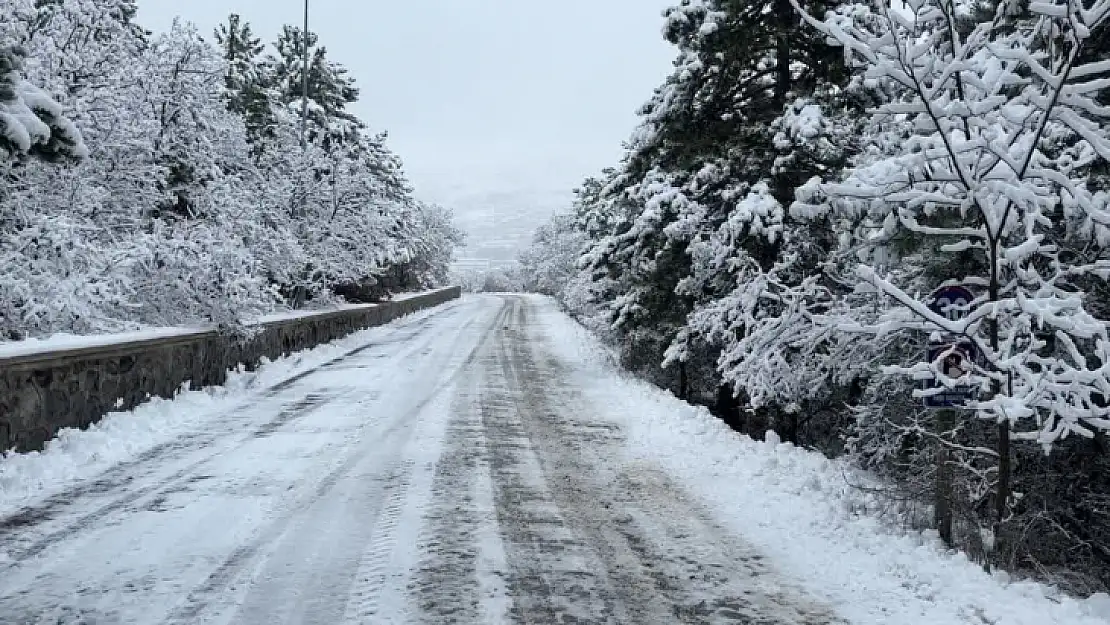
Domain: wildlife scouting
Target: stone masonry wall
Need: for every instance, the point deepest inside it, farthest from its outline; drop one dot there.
(42, 393)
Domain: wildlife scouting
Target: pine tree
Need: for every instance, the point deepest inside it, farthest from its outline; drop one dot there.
(753, 106)
(330, 89)
(246, 81)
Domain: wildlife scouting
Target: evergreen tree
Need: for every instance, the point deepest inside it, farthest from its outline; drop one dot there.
(754, 106)
(330, 89)
(246, 81)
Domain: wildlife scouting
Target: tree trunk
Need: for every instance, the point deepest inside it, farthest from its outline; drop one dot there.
(786, 18)
(787, 426)
(683, 382)
(1002, 492)
(942, 497)
(728, 409)
(785, 21)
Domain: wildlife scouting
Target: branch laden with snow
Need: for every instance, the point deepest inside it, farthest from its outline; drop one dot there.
(197, 201)
(32, 123)
(1005, 123)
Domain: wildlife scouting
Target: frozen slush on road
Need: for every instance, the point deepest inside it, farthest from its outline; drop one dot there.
(481, 462)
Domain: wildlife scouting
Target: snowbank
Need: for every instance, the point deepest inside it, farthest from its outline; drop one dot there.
(798, 508)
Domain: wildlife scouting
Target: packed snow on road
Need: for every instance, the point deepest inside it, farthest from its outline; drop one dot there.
(481, 462)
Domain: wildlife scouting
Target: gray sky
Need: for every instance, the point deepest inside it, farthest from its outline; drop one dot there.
(498, 107)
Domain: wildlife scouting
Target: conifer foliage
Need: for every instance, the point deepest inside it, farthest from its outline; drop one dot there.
(31, 123)
(161, 179)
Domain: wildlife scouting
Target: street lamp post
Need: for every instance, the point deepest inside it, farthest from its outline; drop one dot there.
(304, 82)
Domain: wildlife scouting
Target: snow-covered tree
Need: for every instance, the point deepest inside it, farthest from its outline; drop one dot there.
(247, 91)
(197, 139)
(197, 202)
(31, 122)
(550, 264)
(330, 89)
(1006, 124)
(754, 107)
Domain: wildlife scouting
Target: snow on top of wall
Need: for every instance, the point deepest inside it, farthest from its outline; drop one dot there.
(65, 342)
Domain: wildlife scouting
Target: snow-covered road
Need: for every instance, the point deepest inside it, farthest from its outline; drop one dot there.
(446, 472)
(482, 462)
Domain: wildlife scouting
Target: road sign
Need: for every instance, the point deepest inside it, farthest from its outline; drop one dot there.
(958, 359)
(951, 302)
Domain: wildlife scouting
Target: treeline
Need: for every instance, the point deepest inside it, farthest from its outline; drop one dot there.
(165, 179)
(801, 183)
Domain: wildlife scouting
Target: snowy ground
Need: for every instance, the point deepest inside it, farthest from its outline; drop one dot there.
(481, 462)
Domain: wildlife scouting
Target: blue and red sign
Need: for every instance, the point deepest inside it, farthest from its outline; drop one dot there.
(951, 302)
(958, 359)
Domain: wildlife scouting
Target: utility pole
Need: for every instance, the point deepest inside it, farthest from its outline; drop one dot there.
(304, 82)
(298, 295)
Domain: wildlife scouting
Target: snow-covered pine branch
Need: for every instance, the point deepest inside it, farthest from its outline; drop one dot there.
(31, 122)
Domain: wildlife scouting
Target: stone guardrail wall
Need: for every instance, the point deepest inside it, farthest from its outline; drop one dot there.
(42, 393)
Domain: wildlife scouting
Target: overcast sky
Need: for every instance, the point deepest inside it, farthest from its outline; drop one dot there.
(498, 107)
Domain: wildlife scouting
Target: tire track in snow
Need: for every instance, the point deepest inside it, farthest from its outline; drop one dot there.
(124, 474)
(363, 600)
(384, 587)
(662, 556)
(36, 582)
(209, 597)
(492, 566)
(10, 541)
(446, 589)
(554, 576)
(457, 580)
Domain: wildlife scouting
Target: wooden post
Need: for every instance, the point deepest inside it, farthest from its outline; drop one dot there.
(683, 382)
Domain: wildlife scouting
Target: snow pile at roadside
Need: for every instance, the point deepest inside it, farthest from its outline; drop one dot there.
(797, 507)
(74, 455)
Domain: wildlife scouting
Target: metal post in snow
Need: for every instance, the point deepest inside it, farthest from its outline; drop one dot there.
(298, 291)
(950, 302)
(942, 498)
(304, 81)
